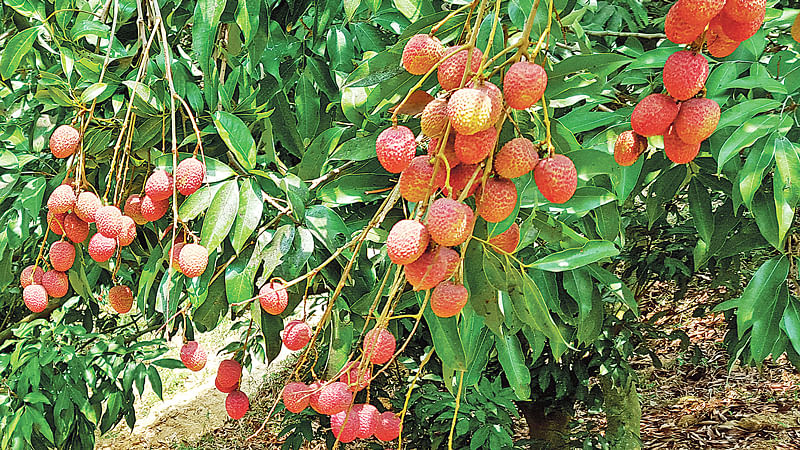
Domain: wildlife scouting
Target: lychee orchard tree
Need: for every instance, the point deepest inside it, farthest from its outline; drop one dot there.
(474, 193)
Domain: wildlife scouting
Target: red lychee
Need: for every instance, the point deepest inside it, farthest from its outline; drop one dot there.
(433, 120)
(102, 248)
(720, 44)
(193, 260)
(189, 176)
(449, 222)
(133, 209)
(367, 416)
(472, 149)
(426, 271)
(64, 141)
(56, 222)
(128, 233)
(193, 356)
(451, 260)
(344, 426)
(517, 157)
(296, 335)
(62, 255)
(421, 53)
(678, 29)
(355, 377)
(237, 404)
(628, 147)
(740, 31)
(498, 200)
(556, 178)
(86, 206)
(699, 12)
(159, 185)
(448, 299)
(108, 220)
(406, 241)
(469, 111)
(396, 148)
(678, 151)
(30, 276)
(388, 427)
(379, 345)
(273, 297)
(153, 210)
(120, 298)
(228, 374)
(55, 283)
(451, 71)
(333, 398)
(653, 115)
(745, 10)
(35, 297)
(460, 176)
(296, 396)
(76, 229)
(524, 84)
(415, 180)
(61, 200)
(508, 240)
(697, 120)
(685, 74)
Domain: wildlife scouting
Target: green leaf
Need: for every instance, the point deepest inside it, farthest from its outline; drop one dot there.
(766, 217)
(341, 339)
(747, 134)
(616, 287)
(237, 138)
(741, 112)
(766, 325)
(662, 190)
(591, 251)
(251, 207)
(317, 154)
(15, 49)
(483, 296)
(155, 381)
(509, 352)
(204, 29)
(143, 98)
(752, 173)
(279, 246)
(543, 320)
(94, 91)
(211, 311)
(240, 277)
(198, 202)
(444, 333)
(700, 207)
(790, 323)
(307, 102)
(220, 215)
(271, 327)
(330, 229)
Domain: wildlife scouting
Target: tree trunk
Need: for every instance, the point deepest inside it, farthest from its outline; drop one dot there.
(548, 424)
(623, 414)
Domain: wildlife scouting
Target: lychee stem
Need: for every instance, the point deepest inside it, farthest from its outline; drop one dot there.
(435, 28)
(491, 36)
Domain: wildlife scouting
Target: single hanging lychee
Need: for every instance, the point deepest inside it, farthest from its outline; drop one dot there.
(556, 178)
(678, 151)
(685, 74)
(498, 200)
(379, 345)
(64, 141)
(451, 70)
(516, 158)
(448, 299)
(653, 115)
(296, 334)
(449, 222)
(159, 185)
(121, 299)
(273, 297)
(193, 356)
(433, 120)
(189, 176)
(193, 260)
(55, 283)
(697, 120)
(407, 241)
(62, 200)
(87, 205)
(469, 111)
(628, 147)
(35, 297)
(396, 148)
(421, 53)
(524, 84)
(508, 240)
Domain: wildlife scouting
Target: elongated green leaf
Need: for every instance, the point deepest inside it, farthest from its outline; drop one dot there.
(700, 207)
(482, 296)
(15, 49)
(446, 340)
(307, 101)
(744, 136)
(220, 215)
(198, 202)
(509, 352)
(766, 325)
(616, 287)
(752, 173)
(251, 207)
(740, 112)
(271, 327)
(317, 154)
(790, 323)
(237, 138)
(204, 30)
(155, 381)
(240, 277)
(211, 311)
(572, 258)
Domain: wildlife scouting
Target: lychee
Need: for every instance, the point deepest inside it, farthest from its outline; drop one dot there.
(628, 147)
(101, 248)
(64, 141)
(76, 229)
(333, 398)
(86, 206)
(426, 271)
(451, 70)
(296, 335)
(108, 220)
(367, 420)
(189, 176)
(474, 148)
(388, 427)
(379, 345)
(448, 152)
(699, 11)
(796, 28)
(229, 373)
(678, 29)
(740, 31)
(31, 275)
(516, 158)
(153, 210)
(193, 260)
(128, 233)
(421, 53)
(61, 200)
(225, 389)
(35, 297)
(498, 200)
(556, 178)
(494, 94)
(62, 255)
(315, 389)
(448, 299)
(469, 111)
(159, 185)
(508, 240)
(56, 222)
(524, 84)
(745, 10)
(273, 296)
(120, 298)
(653, 115)
(451, 260)
(356, 377)
(685, 74)
(193, 356)
(55, 283)
(174, 254)
(460, 176)
(433, 119)
(296, 396)
(696, 120)
(678, 151)
(133, 209)
(396, 148)
(415, 180)
(407, 241)
(449, 222)
(720, 44)
(237, 404)
(344, 425)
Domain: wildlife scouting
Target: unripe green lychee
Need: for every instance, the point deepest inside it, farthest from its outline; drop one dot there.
(295, 396)
(474, 148)
(448, 299)
(344, 425)
(64, 141)
(193, 260)
(55, 283)
(415, 180)
(86, 206)
(296, 335)
(62, 255)
(449, 222)
(193, 356)
(451, 70)
(30, 276)
(628, 147)
(61, 200)
(699, 12)
(745, 10)
(696, 120)
(433, 120)
(407, 241)
(153, 210)
(517, 157)
(426, 271)
(273, 297)
(76, 230)
(524, 84)
(421, 53)
(508, 240)
(556, 178)
(101, 248)
(56, 222)
(121, 299)
(388, 427)
(396, 148)
(678, 151)
(35, 297)
(108, 220)
(237, 404)
(653, 115)
(379, 346)
(740, 31)
(498, 200)
(679, 30)
(469, 111)
(685, 74)
(189, 176)
(133, 209)
(159, 185)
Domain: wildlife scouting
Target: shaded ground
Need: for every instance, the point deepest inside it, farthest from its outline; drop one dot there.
(691, 402)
